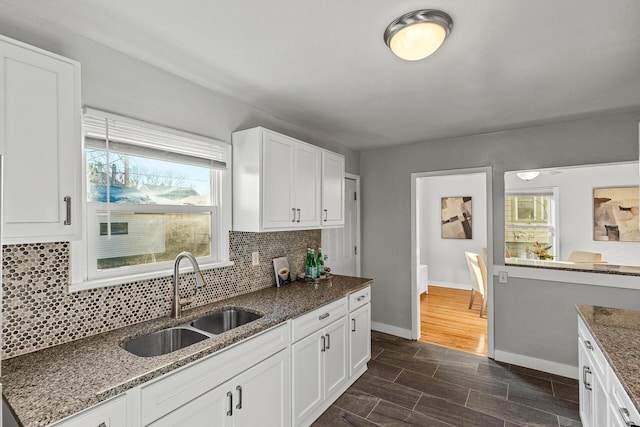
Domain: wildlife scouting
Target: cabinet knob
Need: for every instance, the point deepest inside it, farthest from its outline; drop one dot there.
(102, 424)
(587, 343)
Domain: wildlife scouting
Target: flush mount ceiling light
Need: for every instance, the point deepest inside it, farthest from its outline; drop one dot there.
(528, 176)
(416, 35)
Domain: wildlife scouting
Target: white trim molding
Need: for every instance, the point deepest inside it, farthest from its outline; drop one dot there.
(556, 368)
(565, 276)
(391, 330)
(451, 285)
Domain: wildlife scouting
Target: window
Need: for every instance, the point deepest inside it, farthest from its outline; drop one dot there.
(151, 193)
(529, 219)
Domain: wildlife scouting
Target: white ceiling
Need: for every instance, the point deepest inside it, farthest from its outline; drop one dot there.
(323, 64)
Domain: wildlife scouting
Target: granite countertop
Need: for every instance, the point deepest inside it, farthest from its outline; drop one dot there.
(617, 332)
(51, 384)
(624, 270)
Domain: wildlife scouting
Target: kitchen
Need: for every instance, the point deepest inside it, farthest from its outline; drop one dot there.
(145, 85)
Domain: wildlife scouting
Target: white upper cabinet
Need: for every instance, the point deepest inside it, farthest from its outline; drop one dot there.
(332, 189)
(40, 140)
(278, 183)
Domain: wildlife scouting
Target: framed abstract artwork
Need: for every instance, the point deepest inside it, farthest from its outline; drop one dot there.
(456, 217)
(615, 214)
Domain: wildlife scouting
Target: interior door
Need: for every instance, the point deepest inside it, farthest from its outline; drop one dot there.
(340, 244)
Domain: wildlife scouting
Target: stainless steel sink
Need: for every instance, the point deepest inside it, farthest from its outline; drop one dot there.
(163, 342)
(221, 321)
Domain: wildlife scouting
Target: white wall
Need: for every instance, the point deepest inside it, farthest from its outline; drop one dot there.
(575, 207)
(445, 257)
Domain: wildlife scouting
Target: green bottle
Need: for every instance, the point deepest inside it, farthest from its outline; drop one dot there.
(308, 273)
(314, 265)
(320, 263)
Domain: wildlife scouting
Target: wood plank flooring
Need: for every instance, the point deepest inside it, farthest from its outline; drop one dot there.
(411, 383)
(446, 320)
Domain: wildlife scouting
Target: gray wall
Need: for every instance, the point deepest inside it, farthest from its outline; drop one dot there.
(532, 318)
(115, 82)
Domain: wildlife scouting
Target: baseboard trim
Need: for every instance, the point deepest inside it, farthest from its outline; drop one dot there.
(391, 330)
(450, 285)
(568, 371)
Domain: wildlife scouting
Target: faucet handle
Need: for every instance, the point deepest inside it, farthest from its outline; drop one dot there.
(186, 301)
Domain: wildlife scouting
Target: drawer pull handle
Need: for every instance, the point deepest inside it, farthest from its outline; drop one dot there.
(324, 316)
(326, 215)
(103, 424)
(354, 325)
(585, 371)
(230, 411)
(298, 215)
(328, 341)
(323, 343)
(624, 413)
(294, 214)
(587, 343)
(67, 221)
(239, 405)
(360, 298)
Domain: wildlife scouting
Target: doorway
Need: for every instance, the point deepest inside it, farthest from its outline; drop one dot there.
(438, 254)
(342, 245)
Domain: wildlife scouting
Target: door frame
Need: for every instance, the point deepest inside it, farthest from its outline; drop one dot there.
(415, 298)
(356, 178)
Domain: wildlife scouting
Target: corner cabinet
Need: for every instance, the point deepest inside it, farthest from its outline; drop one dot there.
(278, 183)
(603, 400)
(40, 118)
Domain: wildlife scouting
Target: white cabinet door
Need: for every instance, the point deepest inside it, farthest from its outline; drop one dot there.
(263, 394)
(214, 408)
(585, 392)
(332, 189)
(112, 413)
(307, 375)
(40, 118)
(336, 353)
(360, 338)
(307, 185)
(278, 192)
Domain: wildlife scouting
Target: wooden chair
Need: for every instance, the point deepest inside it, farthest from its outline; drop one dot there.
(478, 272)
(583, 256)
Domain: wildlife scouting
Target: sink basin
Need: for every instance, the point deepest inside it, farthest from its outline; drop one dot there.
(221, 321)
(163, 342)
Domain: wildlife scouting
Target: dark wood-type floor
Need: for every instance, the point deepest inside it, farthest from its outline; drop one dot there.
(412, 383)
(446, 320)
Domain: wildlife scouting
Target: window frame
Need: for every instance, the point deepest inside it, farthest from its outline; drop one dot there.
(81, 275)
(553, 215)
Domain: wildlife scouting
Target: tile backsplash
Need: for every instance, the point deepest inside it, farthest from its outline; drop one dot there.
(39, 312)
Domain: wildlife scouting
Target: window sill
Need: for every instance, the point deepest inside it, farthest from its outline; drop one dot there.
(121, 280)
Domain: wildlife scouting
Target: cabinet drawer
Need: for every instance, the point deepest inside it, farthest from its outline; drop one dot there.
(318, 318)
(359, 298)
(622, 408)
(111, 413)
(595, 354)
(176, 388)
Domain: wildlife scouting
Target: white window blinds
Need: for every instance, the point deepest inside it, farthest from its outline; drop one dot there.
(111, 132)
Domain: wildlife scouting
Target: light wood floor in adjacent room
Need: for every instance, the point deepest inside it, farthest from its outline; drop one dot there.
(446, 320)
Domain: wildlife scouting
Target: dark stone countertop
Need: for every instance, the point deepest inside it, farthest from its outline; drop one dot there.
(585, 267)
(51, 384)
(617, 332)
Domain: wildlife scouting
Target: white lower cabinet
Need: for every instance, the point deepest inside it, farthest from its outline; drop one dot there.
(319, 368)
(112, 413)
(360, 338)
(257, 397)
(603, 400)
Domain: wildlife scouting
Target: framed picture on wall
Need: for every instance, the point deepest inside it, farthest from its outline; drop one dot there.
(456, 217)
(615, 214)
